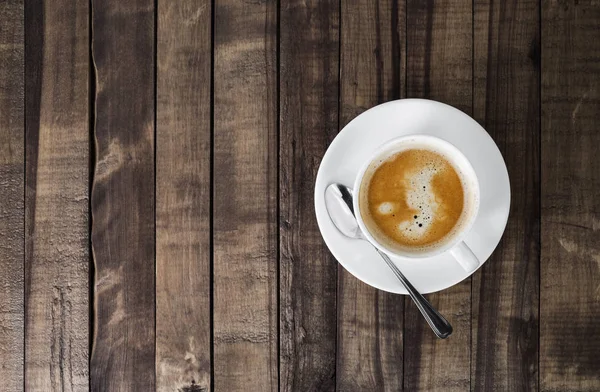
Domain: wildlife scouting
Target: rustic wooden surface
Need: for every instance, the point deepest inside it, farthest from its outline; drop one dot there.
(122, 196)
(57, 253)
(308, 122)
(157, 162)
(506, 102)
(570, 216)
(183, 140)
(245, 197)
(12, 183)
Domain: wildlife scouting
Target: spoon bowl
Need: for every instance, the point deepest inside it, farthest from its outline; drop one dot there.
(338, 199)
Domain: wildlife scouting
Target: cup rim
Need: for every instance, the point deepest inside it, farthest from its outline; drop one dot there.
(422, 254)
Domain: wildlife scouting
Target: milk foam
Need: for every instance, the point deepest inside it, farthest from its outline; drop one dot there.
(420, 197)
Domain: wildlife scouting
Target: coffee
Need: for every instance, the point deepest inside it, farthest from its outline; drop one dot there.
(414, 199)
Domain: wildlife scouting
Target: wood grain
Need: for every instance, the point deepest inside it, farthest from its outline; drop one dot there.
(507, 104)
(439, 55)
(183, 227)
(309, 76)
(56, 203)
(570, 251)
(245, 196)
(370, 349)
(370, 322)
(123, 244)
(12, 183)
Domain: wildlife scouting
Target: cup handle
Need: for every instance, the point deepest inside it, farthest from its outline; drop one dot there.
(465, 257)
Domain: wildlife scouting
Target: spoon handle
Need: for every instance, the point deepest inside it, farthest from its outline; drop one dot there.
(440, 326)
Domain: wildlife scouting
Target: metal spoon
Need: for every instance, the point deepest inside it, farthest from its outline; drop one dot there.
(338, 199)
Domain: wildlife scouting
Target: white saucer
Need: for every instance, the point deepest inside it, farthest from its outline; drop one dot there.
(356, 143)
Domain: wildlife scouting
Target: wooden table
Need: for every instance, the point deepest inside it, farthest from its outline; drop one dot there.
(157, 162)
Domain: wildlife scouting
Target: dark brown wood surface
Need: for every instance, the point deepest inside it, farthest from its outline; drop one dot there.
(157, 167)
(309, 80)
(122, 196)
(245, 236)
(506, 102)
(56, 196)
(12, 183)
(570, 250)
(183, 140)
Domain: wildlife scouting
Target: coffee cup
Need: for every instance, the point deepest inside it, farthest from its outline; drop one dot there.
(416, 197)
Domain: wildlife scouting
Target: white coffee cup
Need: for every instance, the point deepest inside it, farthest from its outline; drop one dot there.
(453, 243)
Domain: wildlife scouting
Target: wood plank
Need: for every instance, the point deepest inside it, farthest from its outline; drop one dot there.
(12, 184)
(245, 229)
(370, 322)
(570, 251)
(183, 227)
(308, 122)
(370, 348)
(123, 244)
(439, 55)
(57, 187)
(504, 348)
